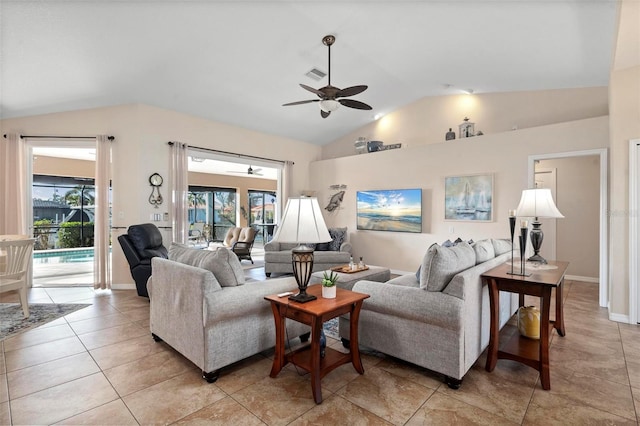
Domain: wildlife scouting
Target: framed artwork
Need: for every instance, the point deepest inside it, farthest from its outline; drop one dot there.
(398, 210)
(469, 198)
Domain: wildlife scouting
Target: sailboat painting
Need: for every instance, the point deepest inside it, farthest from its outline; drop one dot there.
(469, 198)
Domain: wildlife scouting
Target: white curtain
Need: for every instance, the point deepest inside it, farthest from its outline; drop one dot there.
(13, 185)
(101, 265)
(178, 174)
(287, 176)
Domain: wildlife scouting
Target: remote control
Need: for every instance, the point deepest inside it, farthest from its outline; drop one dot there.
(286, 293)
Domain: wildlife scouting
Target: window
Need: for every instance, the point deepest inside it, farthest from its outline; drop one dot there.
(213, 207)
(262, 205)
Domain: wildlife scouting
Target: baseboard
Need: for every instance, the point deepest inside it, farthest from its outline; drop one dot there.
(123, 286)
(619, 318)
(583, 279)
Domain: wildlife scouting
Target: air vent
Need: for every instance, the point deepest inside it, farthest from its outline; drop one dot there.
(316, 74)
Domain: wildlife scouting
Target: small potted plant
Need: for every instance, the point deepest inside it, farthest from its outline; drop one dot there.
(329, 285)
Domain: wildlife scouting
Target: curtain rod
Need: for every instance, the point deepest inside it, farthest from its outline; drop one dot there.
(233, 154)
(60, 137)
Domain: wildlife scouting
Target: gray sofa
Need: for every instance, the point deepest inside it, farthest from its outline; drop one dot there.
(277, 256)
(202, 307)
(439, 317)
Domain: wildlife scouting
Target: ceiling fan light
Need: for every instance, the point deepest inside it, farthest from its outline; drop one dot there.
(329, 105)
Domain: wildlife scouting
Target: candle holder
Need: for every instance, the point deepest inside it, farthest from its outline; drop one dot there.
(522, 240)
(512, 226)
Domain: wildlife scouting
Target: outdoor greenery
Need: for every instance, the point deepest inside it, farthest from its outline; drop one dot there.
(73, 234)
(80, 195)
(41, 230)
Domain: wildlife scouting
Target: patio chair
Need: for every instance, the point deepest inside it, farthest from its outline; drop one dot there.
(242, 247)
(13, 275)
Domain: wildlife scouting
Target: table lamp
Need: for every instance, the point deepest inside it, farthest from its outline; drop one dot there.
(537, 203)
(302, 223)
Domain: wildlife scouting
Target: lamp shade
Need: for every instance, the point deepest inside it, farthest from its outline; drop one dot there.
(329, 105)
(537, 203)
(302, 222)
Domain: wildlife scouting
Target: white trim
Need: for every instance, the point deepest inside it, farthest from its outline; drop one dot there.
(634, 150)
(619, 318)
(123, 286)
(582, 279)
(604, 206)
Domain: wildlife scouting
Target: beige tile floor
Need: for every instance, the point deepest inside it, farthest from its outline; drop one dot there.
(99, 365)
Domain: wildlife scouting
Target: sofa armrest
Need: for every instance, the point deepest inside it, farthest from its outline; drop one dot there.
(346, 246)
(412, 303)
(272, 246)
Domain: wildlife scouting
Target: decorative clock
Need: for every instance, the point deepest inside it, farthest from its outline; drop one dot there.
(155, 180)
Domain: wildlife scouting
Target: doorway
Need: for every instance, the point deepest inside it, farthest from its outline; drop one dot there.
(634, 231)
(602, 218)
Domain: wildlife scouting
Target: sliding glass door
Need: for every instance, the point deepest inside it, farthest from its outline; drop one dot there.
(212, 211)
(262, 205)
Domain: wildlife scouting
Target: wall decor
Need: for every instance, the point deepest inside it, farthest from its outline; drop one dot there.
(155, 180)
(334, 201)
(469, 198)
(398, 210)
(466, 129)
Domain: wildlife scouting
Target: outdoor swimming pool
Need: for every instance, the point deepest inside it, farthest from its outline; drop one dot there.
(74, 255)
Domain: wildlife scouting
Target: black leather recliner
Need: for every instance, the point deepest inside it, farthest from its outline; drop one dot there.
(140, 244)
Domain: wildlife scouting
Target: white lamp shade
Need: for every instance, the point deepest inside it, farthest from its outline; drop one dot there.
(329, 105)
(302, 222)
(537, 203)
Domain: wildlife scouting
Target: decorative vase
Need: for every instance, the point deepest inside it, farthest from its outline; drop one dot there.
(529, 322)
(329, 292)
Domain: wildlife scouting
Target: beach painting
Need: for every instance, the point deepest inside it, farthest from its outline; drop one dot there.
(469, 198)
(397, 210)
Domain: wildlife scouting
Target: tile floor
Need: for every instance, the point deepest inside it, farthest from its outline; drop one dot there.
(99, 365)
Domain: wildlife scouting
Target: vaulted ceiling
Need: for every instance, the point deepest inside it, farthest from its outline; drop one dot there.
(238, 61)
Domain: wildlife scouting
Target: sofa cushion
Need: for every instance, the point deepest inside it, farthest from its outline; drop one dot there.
(501, 246)
(441, 264)
(338, 235)
(222, 262)
(484, 251)
(288, 246)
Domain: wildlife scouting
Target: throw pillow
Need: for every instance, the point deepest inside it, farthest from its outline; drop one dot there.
(441, 264)
(339, 235)
(222, 263)
(501, 246)
(322, 247)
(447, 243)
(484, 251)
(418, 273)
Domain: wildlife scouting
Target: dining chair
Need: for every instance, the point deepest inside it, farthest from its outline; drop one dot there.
(14, 274)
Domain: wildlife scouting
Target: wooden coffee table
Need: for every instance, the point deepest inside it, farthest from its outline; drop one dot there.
(314, 314)
(534, 353)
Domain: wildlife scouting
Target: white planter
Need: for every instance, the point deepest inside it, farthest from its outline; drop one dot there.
(329, 292)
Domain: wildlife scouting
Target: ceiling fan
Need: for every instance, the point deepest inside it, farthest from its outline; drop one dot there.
(328, 95)
(250, 171)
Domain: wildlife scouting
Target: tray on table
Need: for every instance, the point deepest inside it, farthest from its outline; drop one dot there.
(346, 270)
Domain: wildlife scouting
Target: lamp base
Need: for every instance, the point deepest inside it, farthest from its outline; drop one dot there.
(302, 297)
(537, 258)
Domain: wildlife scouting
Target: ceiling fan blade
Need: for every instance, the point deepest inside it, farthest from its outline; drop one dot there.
(324, 114)
(351, 103)
(301, 102)
(312, 90)
(351, 91)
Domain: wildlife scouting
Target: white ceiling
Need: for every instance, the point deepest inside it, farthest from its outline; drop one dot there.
(239, 61)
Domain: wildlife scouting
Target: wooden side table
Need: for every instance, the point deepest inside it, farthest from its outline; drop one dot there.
(314, 314)
(534, 353)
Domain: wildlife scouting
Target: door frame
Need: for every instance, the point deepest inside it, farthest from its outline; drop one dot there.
(603, 298)
(634, 199)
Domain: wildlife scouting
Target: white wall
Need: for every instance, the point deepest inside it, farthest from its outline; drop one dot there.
(428, 119)
(503, 154)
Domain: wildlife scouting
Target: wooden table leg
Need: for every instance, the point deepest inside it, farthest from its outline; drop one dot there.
(559, 323)
(315, 360)
(494, 309)
(353, 335)
(544, 338)
(279, 356)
